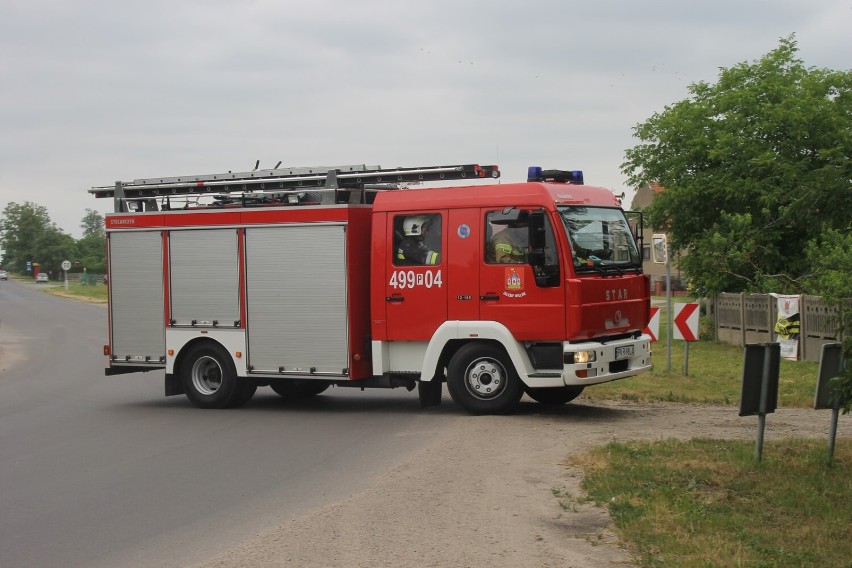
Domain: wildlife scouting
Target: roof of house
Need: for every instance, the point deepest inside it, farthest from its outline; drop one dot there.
(645, 195)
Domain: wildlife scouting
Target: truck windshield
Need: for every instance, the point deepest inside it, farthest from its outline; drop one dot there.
(600, 239)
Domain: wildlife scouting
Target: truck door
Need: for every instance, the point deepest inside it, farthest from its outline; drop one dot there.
(415, 289)
(509, 292)
(464, 255)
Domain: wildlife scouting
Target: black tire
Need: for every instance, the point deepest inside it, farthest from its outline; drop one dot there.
(245, 391)
(209, 377)
(554, 395)
(482, 379)
(297, 389)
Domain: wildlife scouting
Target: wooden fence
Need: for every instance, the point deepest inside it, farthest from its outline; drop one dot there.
(751, 318)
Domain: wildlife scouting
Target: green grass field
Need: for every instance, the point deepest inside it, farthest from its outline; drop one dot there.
(96, 293)
(709, 503)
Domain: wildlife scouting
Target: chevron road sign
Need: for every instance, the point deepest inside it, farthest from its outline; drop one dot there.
(653, 327)
(686, 322)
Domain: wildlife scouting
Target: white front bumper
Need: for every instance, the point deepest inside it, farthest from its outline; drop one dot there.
(606, 367)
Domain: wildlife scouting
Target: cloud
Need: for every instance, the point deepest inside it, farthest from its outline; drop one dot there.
(94, 92)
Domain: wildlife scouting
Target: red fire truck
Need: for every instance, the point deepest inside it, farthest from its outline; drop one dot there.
(304, 278)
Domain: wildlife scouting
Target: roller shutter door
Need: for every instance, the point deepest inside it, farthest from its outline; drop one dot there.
(136, 296)
(204, 269)
(296, 299)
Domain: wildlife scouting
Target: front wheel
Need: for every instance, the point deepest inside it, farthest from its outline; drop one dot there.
(554, 395)
(481, 379)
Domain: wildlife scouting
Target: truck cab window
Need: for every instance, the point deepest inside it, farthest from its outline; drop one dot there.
(507, 236)
(507, 241)
(417, 240)
(600, 238)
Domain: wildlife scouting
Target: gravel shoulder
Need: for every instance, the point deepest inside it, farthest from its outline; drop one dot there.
(482, 494)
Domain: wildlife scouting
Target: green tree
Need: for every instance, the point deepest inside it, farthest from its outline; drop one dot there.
(91, 248)
(755, 168)
(93, 224)
(54, 246)
(830, 256)
(28, 235)
(20, 228)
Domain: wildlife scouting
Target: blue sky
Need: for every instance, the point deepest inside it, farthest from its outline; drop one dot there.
(97, 91)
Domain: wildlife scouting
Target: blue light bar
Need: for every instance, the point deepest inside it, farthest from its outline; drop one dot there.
(535, 173)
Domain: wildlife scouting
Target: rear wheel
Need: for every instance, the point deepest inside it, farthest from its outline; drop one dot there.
(554, 395)
(481, 378)
(210, 378)
(245, 391)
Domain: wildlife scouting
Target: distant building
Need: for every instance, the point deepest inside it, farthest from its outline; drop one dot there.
(643, 198)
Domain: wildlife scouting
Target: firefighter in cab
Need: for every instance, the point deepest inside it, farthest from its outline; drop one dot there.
(414, 248)
(511, 244)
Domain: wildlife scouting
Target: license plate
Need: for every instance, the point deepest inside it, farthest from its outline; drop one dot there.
(625, 352)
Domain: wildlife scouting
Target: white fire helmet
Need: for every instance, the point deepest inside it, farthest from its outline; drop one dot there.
(413, 225)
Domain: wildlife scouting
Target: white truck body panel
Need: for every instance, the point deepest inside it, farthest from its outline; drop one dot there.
(233, 340)
(422, 357)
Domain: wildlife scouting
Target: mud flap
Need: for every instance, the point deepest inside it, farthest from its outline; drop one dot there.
(429, 392)
(173, 385)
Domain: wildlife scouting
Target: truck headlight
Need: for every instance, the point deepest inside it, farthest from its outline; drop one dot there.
(579, 357)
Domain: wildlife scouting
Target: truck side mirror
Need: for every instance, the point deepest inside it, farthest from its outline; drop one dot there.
(537, 234)
(636, 221)
(545, 276)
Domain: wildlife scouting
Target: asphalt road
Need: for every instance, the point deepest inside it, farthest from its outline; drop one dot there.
(105, 471)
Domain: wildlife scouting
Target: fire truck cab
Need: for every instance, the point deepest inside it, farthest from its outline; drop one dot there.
(301, 279)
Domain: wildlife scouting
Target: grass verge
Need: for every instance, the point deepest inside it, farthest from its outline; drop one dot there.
(709, 503)
(91, 293)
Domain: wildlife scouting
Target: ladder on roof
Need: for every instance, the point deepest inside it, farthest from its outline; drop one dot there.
(276, 181)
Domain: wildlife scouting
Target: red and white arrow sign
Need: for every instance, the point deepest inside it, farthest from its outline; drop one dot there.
(653, 327)
(686, 322)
